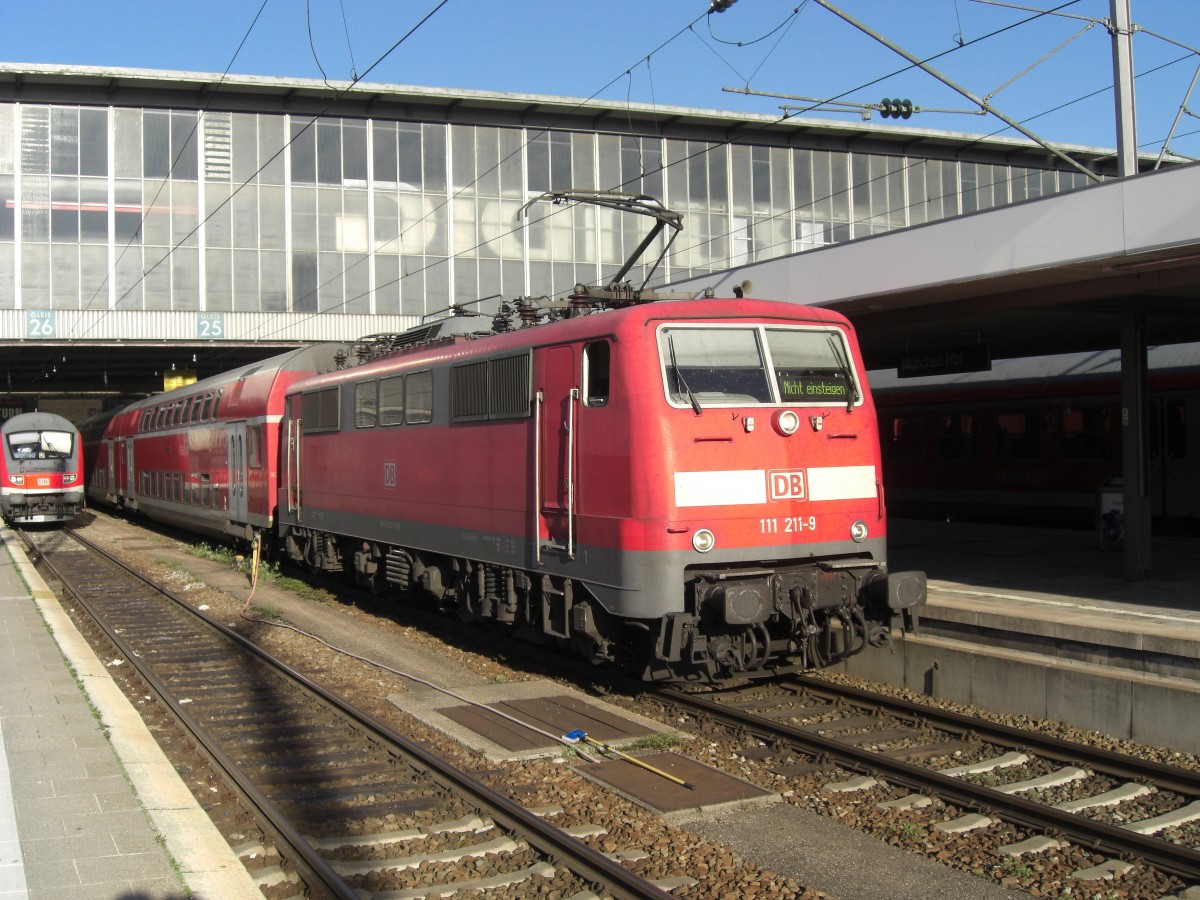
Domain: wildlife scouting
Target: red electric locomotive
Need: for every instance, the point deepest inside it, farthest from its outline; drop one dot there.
(41, 469)
(688, 488)
(202, 457)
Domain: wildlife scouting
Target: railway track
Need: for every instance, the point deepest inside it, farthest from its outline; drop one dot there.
(986, 772)
(342, 805)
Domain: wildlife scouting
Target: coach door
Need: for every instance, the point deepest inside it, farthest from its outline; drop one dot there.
(557, 408)
(1174, 477)
(125, 465)
(237, 471)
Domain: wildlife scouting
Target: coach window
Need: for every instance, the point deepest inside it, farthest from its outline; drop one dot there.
(254, 447)
(206, 407)
(366, 404)
(418, 398)
(1176, 429)
(1087, 432)
(596, 369)
(959, 437)
(1019, 435)
(904, 438)
(391, 400)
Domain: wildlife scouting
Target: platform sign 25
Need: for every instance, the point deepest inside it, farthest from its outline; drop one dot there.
(210, 325)
(41, 323)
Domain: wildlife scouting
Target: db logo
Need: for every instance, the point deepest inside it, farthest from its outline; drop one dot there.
(43, 482)
(786, 484)
(389, 474)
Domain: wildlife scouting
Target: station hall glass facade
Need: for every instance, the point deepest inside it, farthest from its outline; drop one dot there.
(114, 207)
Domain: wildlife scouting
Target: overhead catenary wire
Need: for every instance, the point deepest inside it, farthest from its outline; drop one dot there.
(259, 170)
(684, 160)
(690, 27)
(449, 199)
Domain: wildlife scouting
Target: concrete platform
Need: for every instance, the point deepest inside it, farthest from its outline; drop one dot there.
(1041, 622)
(89, 805)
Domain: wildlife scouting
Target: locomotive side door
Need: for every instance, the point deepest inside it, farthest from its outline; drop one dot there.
(236, 448)
(557, 399)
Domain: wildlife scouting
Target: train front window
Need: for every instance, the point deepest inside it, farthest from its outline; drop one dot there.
(40, 444)
(812, 366)
(741, 366)
(713, 366)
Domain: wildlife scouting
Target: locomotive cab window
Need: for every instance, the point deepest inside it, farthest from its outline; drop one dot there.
(596, 373)
(740, 366)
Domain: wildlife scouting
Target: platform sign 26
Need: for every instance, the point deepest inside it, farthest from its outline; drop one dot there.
(41, 323)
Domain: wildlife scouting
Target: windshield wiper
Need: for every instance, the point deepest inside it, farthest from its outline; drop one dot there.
(844, 366)
(680, 381)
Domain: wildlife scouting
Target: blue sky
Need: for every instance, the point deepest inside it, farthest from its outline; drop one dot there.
(666, 52)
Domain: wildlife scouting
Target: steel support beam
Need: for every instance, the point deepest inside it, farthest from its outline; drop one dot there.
(1134, 458)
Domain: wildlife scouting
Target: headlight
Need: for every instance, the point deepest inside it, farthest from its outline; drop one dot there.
(858, 531)
(786, 422)
(17, 479)
(703, 541)
(69, 479)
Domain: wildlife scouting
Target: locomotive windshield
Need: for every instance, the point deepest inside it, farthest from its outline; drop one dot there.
(40, 444)
(739, 366)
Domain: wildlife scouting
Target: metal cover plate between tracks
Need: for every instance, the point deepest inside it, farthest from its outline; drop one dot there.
(550, 708)
(714, 789)
(552, 715)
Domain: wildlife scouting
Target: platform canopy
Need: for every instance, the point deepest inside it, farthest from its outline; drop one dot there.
(1051, 275)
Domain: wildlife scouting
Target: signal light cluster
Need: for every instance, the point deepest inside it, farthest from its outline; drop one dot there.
(895, 109)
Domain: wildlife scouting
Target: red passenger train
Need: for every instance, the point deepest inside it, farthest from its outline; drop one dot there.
(41, 469)
(202, 457)
(1035, 439)
(688, 489)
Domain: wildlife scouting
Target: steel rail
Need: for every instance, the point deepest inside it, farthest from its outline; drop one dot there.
(1109, 762)
(549, 840)
(315, 870)
(1162, 855)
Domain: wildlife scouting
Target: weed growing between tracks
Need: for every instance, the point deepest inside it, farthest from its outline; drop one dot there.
(269, 573)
